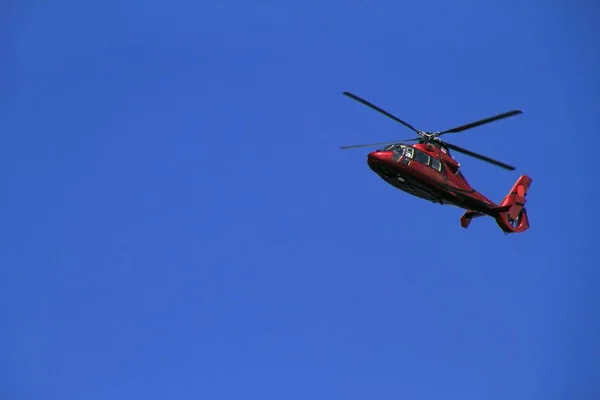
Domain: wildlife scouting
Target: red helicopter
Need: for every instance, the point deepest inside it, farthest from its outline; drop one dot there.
(428, 170)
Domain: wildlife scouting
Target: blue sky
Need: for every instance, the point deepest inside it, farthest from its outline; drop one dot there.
(178, 221)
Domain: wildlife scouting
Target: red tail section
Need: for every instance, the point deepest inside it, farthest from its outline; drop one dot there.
(512, 215)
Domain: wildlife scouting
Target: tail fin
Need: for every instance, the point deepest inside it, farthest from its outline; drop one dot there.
(512, 215)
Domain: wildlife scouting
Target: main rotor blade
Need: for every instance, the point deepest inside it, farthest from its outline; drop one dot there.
(481, 122)
(377, 144)
(479, 156)
(373, 106)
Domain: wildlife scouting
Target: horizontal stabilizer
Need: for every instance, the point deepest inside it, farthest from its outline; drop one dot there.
(465, 220)
(502, 209)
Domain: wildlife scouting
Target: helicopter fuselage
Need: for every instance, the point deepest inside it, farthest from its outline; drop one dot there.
(428, 172)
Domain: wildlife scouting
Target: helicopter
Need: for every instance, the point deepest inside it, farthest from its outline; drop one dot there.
(428, 171)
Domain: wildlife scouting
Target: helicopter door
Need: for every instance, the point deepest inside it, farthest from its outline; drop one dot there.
(427, 165)
(421, 157)
(435, 164)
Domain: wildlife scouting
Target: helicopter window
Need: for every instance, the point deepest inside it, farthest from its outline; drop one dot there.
(408, 152)
(435, 164)
(399, 148)
(459, 174)
(398, 152)
(421, 157)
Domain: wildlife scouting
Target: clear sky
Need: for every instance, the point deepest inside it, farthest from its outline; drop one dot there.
(179, 223)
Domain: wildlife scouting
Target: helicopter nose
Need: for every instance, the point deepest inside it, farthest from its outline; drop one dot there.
(377, 161)
(376, 156)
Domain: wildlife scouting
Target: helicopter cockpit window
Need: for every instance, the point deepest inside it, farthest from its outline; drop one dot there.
(435, 164)
(408, 152)
(399, 148)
